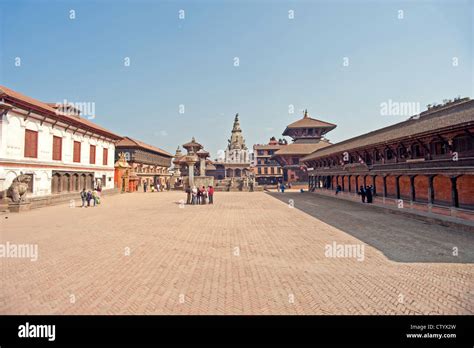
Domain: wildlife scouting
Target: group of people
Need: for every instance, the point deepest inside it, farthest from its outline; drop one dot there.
(90, 196)
(154, 187)
(200, 195)
(281, 187)
(366, 193)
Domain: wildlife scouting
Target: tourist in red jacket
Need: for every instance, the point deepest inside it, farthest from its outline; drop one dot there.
(210, 193)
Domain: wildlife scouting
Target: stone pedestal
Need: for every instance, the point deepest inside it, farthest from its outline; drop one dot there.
(19, 207)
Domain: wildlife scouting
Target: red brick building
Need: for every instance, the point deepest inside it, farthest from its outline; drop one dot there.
(426, 162)
(308, 136)
(267, 171)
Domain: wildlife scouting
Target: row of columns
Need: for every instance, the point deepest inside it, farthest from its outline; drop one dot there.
(327, 182)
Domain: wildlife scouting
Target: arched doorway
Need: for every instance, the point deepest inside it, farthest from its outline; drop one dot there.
(66, 183)
(56, 183)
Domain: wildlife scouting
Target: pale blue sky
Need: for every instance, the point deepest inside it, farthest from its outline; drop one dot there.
(282, 62)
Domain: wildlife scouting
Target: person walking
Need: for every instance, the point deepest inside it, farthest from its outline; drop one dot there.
(194, 195)
(89, 197)
(362, 193)
(338, 189)
(83, 197)
(144, 186)
(188, 195)
(210, 193)
(282, 188)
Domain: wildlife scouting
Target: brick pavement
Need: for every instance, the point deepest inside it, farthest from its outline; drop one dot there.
(247, 254)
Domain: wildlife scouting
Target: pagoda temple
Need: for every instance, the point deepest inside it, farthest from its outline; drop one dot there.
(308, 136)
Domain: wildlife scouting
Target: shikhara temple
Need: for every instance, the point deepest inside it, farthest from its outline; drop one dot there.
(424, 163)
(308, 136)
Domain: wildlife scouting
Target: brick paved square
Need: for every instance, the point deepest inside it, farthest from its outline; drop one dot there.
(249, 253)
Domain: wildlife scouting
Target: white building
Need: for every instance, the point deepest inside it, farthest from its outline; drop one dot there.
(60, 150)
(237, 159)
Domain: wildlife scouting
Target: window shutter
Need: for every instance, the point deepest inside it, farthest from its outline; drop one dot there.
(31, 143)
(92, 154)
(77, 152)
(57, 148)
(105, 155)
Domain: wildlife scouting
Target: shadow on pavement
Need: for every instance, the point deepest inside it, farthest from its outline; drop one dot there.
(400, 238)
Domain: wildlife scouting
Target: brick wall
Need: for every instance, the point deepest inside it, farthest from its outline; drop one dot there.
(421, 188)
(442, 188)
(379, 185)
(353, 183)
(466, 190)
(404, 181)
(346, 183)
(391, 186)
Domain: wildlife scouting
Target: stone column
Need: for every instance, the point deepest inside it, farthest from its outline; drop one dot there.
(191, 174)
(202, 167)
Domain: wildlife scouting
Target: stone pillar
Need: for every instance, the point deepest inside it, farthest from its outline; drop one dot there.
(191, 174)
(202, 166)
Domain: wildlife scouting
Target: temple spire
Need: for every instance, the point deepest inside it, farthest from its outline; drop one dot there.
(236, 127)
(306, 113)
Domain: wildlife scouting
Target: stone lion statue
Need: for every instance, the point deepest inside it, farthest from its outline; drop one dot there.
(18, 189)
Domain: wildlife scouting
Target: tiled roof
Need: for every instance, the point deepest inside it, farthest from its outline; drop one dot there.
(192, 143)
(455, 116)
(301, 149)
(267, 147)
(44, 108)
(308, 122)
(129, 142)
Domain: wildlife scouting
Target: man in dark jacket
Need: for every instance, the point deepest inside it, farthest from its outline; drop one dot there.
(369, 194)
(362, 193)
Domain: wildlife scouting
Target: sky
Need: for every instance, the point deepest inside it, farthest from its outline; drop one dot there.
(266, 60)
